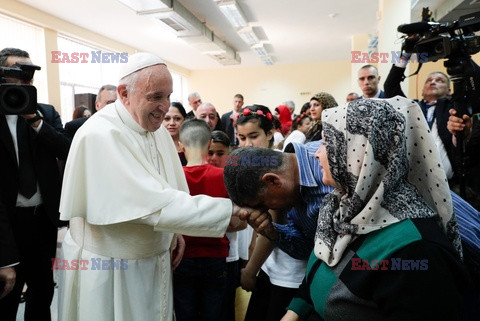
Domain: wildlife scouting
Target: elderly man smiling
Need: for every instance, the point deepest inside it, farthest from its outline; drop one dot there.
(125, 195)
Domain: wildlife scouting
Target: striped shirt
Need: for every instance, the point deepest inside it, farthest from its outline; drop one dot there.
(468, 219)
(296, 238)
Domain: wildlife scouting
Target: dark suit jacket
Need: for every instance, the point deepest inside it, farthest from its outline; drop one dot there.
(8, 248)
(392, 89)
(227, 124)
(48, 144)
(72, 126)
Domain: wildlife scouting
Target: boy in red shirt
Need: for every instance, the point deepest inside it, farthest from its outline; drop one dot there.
(199, 282)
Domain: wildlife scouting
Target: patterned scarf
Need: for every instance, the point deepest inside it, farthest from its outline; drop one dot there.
(386, 169)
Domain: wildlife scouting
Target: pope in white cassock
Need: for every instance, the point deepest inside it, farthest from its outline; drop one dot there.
(125, 195)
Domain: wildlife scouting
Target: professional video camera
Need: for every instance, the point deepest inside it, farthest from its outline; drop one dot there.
(455, 41)
(438, 40)
(18, 99)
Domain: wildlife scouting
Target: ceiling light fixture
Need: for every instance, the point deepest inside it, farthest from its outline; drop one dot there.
(267, 60)
(143, 6)
(177, 19)
(233, 13)
(249, 36)
(260, 50)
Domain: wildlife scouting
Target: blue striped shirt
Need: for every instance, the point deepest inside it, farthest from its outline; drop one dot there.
(296, 238)
(468, 219)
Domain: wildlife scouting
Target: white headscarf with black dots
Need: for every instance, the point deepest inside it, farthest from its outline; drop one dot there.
(386, 167)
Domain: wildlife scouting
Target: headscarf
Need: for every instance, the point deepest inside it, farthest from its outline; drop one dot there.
(386, 169)
(327, 101)
(285, 118)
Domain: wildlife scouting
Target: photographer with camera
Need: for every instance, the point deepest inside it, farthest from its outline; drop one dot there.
(31, 141)
(435, 105)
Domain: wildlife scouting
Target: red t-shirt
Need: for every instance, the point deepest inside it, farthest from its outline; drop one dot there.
(208, 180)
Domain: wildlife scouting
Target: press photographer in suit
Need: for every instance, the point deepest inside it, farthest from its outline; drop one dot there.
(31, 141)
(8, 254)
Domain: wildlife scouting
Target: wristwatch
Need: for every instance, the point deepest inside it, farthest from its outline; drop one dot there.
(38, 116)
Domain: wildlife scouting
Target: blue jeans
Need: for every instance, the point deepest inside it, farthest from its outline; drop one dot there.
(199, 286)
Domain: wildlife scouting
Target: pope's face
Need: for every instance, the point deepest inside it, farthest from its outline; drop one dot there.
(149, 101)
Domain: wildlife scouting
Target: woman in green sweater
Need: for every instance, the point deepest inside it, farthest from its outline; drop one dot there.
(387, 244)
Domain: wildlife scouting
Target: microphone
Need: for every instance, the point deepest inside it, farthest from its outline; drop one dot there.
(416, 27)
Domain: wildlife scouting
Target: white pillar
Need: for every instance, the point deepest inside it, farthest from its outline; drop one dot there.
(392, 13)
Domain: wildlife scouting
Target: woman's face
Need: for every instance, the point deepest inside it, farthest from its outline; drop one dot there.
(217, 154)
(321, 155)
(305, 125)
(172, 121)
(87, 113)
(250, 134)
(315, 109)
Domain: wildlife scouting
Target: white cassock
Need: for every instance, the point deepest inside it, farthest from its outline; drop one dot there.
(125, 194)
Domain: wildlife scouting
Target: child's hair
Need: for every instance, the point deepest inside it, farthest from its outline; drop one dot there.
(256, 113)
(220, 137)
(195, 133)
(298, 121)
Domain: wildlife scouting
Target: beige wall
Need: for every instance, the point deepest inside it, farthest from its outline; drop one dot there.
(272, 85)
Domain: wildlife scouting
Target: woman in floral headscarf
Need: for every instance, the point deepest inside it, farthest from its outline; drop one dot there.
(318, 104)
(387, 244)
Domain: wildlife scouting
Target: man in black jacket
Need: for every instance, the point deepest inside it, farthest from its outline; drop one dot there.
(8, 254)
(435, 105)
(228, 119)
(31, 196)
(106, 95)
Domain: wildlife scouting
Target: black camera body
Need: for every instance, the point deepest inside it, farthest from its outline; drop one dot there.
(443, 40)
(18, 99)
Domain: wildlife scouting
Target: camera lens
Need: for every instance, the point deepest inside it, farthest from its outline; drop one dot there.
(17, 99)
(439, 48)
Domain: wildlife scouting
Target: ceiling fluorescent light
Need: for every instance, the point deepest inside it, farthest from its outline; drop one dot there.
(267, 60)
(142, 6)
(249, 36)
(178, 20)
(260, 50)
(233, 13)
(228, 58)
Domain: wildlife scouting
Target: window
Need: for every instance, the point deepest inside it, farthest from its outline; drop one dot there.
(25, 36)
(80, 78)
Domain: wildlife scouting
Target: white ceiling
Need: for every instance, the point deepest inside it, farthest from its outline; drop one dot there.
(294, 31)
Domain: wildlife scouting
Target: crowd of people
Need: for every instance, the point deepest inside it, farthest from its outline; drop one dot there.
(338, 212)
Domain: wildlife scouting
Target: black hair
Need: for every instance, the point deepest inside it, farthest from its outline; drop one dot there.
(220, 137)
(244, 171)
(7, 52)
(180, 108)
(305, 107)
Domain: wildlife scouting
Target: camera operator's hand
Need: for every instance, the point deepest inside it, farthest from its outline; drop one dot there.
(456, 124)
(30, 119)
